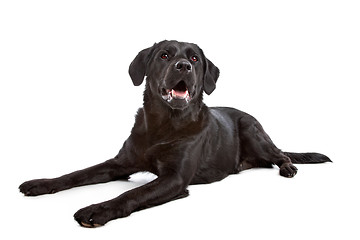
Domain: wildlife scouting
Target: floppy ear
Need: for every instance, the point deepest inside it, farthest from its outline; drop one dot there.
(137, 69)
(210, 77)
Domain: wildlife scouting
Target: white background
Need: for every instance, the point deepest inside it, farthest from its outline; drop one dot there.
(67, 103)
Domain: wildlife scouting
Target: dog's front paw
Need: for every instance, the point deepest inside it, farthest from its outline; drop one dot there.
(97, 215)
(37, 187)
(288, 170)
(93, 216)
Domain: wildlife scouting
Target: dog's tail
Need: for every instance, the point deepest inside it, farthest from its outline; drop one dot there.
(307, 157)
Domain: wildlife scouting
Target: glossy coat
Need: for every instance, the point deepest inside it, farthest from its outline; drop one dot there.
(177, 137)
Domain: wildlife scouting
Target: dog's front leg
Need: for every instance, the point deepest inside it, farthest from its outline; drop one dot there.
(113, 169)
(159, 191)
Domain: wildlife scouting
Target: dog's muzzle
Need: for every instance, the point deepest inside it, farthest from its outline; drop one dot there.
(178, 84)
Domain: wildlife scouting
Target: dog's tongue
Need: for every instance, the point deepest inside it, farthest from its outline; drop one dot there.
(179, 94)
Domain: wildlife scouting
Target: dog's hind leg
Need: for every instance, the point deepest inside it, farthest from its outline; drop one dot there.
(259, 151)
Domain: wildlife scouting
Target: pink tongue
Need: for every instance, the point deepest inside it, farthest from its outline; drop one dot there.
(178, 94)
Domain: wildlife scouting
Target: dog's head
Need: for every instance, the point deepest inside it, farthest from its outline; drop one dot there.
(177, 72)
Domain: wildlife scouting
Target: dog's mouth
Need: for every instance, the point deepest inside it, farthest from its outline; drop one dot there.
(179, 92)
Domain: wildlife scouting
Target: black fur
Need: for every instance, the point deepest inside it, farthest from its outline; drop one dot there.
(307, 157)
(177, 137)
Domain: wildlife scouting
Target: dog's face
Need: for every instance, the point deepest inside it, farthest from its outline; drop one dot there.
(177, 72)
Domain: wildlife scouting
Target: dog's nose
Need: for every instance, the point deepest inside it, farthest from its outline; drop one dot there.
(183, 66)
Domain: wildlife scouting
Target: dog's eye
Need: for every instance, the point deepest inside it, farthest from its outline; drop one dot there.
(164, 56)
(194, 58)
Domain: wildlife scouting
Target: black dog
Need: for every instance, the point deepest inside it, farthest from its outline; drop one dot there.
(177, 137)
